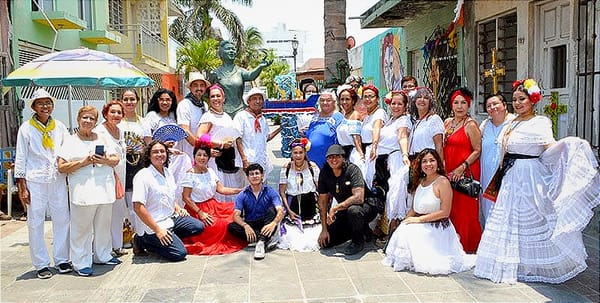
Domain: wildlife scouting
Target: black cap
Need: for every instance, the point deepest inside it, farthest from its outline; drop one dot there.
(335, 149)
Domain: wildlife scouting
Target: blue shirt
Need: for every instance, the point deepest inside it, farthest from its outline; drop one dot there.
(253, 208)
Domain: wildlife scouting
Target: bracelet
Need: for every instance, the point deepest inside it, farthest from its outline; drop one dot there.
(466, 164)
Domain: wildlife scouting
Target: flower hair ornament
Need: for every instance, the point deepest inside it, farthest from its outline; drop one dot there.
(391, 94)
(532, 89)
(304, 142)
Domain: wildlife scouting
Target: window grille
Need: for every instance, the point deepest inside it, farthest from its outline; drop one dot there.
(499, 33)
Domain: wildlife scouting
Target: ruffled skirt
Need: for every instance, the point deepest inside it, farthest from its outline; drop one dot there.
(299, 239)
(215, 239)
(423, 247)
(534, 231)
(397, 202)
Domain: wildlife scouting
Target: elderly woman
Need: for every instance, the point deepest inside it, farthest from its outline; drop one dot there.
(348, 132)
(88, 160)
(321, 132)
(200, 185)
(491, 145)
(112, 112)
(462, 146)
(217, 130)
(298, 190)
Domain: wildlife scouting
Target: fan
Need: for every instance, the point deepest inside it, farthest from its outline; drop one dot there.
(169, 132)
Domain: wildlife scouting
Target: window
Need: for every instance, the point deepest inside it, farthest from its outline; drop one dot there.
(499, 33)
(116, 14)
(47, 5)
(85, 12)
(559, 66)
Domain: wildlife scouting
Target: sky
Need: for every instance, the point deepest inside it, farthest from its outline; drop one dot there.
(302, 15)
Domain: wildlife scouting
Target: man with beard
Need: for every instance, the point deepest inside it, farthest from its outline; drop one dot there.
(190, 109)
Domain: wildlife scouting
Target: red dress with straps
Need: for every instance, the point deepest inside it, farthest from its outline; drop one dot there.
(465, 210)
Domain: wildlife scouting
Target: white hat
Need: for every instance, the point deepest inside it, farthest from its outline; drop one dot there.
(197, 76)
(252, 92)
(40, 93)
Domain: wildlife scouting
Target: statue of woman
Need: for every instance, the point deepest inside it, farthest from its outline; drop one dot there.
(232, 78)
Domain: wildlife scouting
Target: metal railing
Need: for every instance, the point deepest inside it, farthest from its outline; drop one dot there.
(144, 41)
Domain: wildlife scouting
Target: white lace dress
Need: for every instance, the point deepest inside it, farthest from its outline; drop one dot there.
(534, 231)
(427, 247)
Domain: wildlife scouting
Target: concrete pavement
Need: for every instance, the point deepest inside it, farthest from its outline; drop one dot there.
(283, 276)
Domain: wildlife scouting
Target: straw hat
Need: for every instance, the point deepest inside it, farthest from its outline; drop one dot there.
(40, 93)
(252, 92)
(197, 76)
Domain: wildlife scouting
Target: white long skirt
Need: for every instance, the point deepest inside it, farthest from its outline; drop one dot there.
(423, 247)
(534, 231)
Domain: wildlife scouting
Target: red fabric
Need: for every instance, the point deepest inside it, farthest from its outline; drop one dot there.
(257, 127)
(465, 210)
(215, 239)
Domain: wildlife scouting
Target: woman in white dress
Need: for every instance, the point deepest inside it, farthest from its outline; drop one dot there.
(217, 130)
(348, 132)
(543, 201)
(428, 128)
(426, 240)
(112, 112)
(371, 130)
(297, 188)
(162, 111)
(491, 145)
(393, 147)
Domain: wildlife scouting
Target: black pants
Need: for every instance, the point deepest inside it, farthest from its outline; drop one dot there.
(239, 232)
(350, 224)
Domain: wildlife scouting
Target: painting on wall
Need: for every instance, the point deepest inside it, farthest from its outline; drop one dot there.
(383, 58)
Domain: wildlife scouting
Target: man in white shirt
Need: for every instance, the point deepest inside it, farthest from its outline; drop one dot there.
(190, 110)
(254, 130)
(162, 222)
(41, 186)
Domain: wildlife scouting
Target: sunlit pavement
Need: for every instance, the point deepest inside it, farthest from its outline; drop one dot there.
(283, 276)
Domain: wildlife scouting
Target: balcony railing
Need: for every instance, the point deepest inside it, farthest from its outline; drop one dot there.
(143, 40)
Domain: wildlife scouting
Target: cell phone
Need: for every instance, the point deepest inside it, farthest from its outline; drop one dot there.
(99, 150)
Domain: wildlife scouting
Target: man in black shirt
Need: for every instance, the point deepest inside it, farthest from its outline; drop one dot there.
(347, 218)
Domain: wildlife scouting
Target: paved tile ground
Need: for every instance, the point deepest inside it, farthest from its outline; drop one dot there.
(283, 276)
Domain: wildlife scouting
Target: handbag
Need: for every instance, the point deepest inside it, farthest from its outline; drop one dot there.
(467, 185)
(119, 190)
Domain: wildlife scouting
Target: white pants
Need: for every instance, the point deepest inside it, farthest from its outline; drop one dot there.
(52, 196)
(90, 234)
(119, 213)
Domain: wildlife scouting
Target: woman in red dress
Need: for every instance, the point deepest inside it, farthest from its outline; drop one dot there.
(199, 187)
(462, 147)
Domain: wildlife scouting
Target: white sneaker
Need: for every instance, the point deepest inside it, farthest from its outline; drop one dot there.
(259, 251)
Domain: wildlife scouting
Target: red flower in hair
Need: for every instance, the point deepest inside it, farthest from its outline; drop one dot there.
(517, 83)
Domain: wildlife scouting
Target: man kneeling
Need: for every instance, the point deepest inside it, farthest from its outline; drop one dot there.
(262, 210)
(348, 218)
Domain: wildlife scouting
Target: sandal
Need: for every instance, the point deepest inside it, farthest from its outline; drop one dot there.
(4, 217)
(23, 217)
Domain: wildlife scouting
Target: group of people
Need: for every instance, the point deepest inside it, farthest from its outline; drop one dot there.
(537, 194)
(356, 172)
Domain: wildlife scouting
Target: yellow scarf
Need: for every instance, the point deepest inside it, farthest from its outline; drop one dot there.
(45, 130)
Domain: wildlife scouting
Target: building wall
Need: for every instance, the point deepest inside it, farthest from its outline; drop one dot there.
(419, 30)
(24, 28)
(388, 46)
